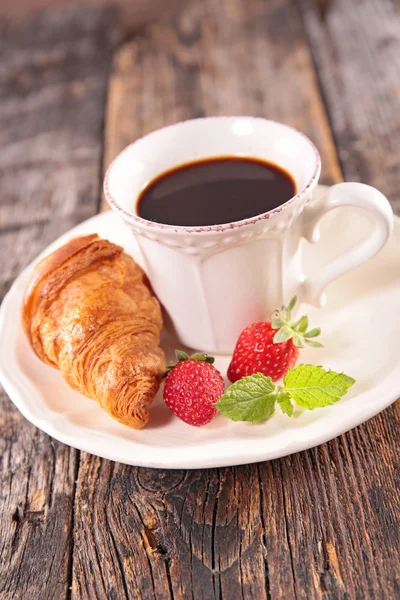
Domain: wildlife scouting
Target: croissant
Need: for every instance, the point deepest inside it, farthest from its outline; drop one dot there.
(88, 311)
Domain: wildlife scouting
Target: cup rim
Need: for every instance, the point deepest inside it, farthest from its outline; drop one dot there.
(133, 219)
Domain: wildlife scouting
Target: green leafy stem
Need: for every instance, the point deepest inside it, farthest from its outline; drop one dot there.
(254, 398)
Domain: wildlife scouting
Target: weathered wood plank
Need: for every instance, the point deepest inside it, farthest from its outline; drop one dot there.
(320, 524)
(36, 496)
(53, 76)
(356, 48)
(52, 93)
(168, 534)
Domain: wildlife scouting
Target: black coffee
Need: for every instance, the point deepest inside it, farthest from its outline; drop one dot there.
(215, 191)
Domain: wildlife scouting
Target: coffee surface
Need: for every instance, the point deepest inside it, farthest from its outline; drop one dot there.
(214, 191)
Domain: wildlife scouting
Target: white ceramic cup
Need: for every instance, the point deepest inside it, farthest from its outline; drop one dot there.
(216, 280)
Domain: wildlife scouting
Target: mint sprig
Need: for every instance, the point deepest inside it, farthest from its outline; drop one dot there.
(254, 398)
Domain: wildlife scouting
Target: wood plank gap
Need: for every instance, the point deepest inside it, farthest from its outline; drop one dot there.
(265, 551)
(70, 564)
(289, 543)
(313, 15)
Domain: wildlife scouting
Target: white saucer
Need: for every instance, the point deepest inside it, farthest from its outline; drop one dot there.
(361, 333)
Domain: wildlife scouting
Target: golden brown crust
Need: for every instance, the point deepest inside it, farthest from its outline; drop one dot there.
(88, 311)
(37, 281)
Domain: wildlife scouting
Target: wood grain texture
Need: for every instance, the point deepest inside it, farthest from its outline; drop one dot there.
(323, 524)
(52, 97)
(319, 524)
(53, 76)
(217, 58)
(356, 47)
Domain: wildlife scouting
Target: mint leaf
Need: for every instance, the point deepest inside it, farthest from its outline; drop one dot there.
(249, 399)
(313, 387)
(285, 403)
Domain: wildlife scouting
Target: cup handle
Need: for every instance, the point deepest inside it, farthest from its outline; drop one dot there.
(345, 194)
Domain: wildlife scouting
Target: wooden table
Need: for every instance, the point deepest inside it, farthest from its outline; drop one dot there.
(320, 524)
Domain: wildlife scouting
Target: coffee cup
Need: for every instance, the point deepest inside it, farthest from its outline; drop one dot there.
(214, 280)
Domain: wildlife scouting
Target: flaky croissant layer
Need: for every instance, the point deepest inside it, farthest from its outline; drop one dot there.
(89, 312)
